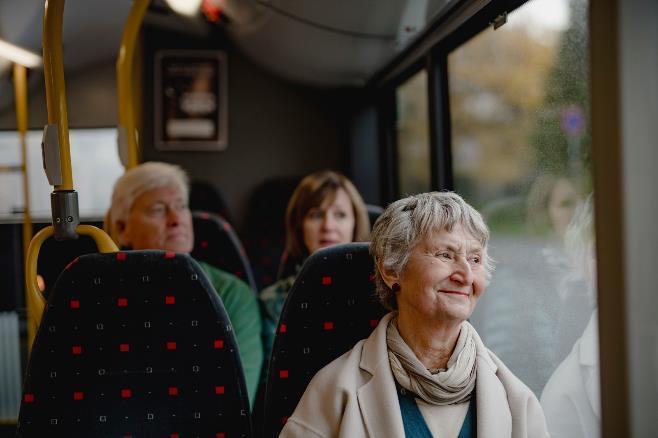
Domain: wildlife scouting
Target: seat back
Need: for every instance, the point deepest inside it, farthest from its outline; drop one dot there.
(330, 308)
(216, 243)
(205, 197)
(265, 230)
(374, 211)
(134, 343)
(54, 255)
(288, 265)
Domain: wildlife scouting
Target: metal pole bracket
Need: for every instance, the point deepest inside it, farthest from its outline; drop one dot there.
(66, 216)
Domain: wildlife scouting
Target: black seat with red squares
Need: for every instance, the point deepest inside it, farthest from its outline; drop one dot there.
(216, 243)
(330, 308)
(134, 344)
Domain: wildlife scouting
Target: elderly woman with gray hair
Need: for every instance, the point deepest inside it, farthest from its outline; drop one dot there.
(424, 371)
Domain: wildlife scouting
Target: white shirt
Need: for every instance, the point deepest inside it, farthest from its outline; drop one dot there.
(443, 421)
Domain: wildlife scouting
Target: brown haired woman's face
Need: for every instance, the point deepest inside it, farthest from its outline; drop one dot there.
(331, 223)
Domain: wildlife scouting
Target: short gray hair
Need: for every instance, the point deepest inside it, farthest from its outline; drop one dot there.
(140, 179)
(407, 221)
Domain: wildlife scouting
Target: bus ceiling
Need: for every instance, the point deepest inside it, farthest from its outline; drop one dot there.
(320, 43)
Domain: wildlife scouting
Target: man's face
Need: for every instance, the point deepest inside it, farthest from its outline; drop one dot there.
(159, 219)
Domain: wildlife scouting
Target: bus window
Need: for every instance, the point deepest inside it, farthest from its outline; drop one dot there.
(413, 152)
(11, 192)
(95, 163)
(521, 155)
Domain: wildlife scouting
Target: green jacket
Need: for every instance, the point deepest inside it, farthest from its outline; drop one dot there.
(272, 299)
(241, 306)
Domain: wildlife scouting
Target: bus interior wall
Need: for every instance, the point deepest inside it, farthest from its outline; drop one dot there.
(275, 128)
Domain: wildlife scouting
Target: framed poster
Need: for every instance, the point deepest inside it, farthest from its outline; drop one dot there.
(191, 102)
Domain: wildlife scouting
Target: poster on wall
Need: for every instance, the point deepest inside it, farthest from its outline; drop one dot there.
(191, 100)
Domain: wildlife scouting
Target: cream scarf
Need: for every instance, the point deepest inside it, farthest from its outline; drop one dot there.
(451, 386)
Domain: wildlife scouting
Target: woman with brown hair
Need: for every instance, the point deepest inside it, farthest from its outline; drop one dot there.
(325, 210)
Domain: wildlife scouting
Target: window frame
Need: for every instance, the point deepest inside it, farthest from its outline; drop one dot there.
(432, 49)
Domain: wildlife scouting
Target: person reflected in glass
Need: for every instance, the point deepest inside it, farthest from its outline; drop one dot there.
(149, 210)
(424, 371)
(571, 398)
(324, 210)
(552, 202)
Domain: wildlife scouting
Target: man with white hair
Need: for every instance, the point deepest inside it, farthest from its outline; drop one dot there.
(150, 211)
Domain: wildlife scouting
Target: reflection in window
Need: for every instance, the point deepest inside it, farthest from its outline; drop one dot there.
(413, 135)
(521, 154)
(95, 164)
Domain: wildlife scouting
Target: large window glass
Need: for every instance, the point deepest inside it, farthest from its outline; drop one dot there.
(521, 154)
(95, 164)
(413, 150)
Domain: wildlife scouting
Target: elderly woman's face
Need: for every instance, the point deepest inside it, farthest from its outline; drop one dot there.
(159, 219)
(444, 277)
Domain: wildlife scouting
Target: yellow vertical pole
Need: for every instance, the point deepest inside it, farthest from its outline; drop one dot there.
(20, 92)
(125, 84)
(53, 67)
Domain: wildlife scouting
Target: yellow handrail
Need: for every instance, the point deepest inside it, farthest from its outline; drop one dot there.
(35, 299)
(20, 91)
(68, 210)
(55, 90)
(125, 87)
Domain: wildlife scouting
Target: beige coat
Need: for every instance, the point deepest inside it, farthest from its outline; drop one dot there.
(355, 396)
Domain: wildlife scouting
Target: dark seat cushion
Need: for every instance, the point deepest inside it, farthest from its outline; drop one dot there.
(134, 343)
(216, 243)
(265, 230)
(330, 308)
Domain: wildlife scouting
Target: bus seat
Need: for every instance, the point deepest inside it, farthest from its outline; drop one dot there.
(55, 255)
(265, 236)
(330, 307)
(216, 243)
(134, 343)
(287, 266)
(204, 197)
(374, 211)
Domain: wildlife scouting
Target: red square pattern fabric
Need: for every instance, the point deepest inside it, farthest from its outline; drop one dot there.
(80, 362)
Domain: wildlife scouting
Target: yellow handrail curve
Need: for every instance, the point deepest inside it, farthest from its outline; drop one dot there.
(125, 87)
(35, 299)
(53, 67)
